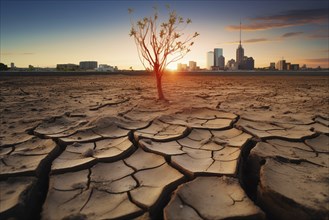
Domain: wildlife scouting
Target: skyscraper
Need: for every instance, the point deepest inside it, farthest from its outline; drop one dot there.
(221, 62)
(281, 65)
(210, 60)
(239, 52)
(217, 53)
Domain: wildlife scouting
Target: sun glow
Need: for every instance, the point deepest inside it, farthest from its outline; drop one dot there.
(172, 67)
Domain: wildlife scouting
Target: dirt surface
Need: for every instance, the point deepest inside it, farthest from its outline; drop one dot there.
(28, 100)
(114, 143)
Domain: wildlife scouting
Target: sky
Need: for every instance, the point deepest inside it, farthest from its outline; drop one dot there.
(44, 33)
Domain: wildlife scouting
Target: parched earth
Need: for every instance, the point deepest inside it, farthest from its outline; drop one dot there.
(222, 147)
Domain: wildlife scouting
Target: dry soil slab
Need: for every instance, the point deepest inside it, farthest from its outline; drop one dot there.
(211, 198)
(201, 118)
(79, 156)
(203, 151)
(86, 128)
(293, 177)
(123, 189)
(161, 131)
(27, 158)
(16, 197)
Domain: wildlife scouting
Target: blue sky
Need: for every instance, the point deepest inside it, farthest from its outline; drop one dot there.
(44, 33)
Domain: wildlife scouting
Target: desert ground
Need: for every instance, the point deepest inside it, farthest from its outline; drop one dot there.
(222, 146)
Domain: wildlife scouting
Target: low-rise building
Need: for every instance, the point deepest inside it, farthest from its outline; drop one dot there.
(106, 68)
(88, 65)
(181, 67)
(248, 63)
(192, 66)
(283, 65)
(67, 67)
(294, 67)
(231, 65)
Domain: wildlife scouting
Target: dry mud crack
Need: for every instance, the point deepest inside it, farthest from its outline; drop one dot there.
(197, 163)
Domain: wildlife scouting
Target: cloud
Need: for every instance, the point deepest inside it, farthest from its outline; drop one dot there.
(257, 26)
(15, 53)
(317, 60)
(291, 34)
(319, 33)
(318, 36)
(325, 51)
(250, 41)
(308, 15)
(255, 40)
(285, 19)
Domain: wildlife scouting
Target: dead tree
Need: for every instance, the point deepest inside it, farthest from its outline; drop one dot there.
(161, 43)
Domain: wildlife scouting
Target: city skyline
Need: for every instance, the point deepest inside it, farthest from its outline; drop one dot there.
(50, 32)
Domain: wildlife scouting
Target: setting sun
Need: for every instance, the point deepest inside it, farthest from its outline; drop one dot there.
(172, 67)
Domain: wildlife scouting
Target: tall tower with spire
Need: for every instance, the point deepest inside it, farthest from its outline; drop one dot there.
(239, 52)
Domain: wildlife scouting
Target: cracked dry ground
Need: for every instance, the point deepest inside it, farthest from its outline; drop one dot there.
(101, 147)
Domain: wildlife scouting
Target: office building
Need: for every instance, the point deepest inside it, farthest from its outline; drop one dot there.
(284, 65)
(184, 67)
(217, 53)
(281, 65)
(239, 53)
(192, 66)
(88, 65)
(181, 67)
(221, 62)
(272, 66)
(231, 65)
(294, 67)
(248, 63)
(210, 60)
(106, 68)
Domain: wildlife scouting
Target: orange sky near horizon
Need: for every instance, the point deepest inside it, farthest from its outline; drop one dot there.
(33, 33)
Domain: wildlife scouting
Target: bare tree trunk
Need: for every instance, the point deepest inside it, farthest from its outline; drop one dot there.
(159, 85)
